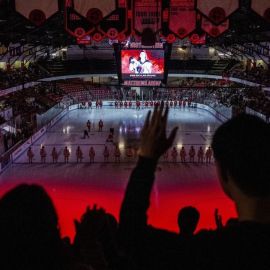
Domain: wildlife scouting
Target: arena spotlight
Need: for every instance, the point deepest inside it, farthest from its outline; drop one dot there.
(179, 145)
(121, 145)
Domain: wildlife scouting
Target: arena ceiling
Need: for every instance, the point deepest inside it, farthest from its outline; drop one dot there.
(246, 35)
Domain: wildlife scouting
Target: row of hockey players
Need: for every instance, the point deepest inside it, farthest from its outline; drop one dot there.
(201, 155)
(130, 153)
(170, 103)
(98, 104)
(138, 104)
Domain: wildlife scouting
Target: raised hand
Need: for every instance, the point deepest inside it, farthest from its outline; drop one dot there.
(91, 225)
(218, 219)
(154, 142)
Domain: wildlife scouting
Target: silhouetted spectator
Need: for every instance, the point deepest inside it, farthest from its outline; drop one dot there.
(96, 240)
(242, 152)
(232, 222)
(188, 219)
(29, 231)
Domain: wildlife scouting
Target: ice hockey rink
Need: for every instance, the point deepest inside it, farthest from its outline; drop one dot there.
(195, 128)
(74, 186)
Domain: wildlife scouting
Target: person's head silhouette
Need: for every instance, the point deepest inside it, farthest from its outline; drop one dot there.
(28, 229)
(242, 152)
(188, 218)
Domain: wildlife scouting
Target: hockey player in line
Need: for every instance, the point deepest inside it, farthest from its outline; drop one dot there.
(92, 154)
(79, 154)
(43, 154)
(117, 154)
(30, 155)
(54, 155)
(192, 154)
(183, 154)
(106, 154)
(66, 155)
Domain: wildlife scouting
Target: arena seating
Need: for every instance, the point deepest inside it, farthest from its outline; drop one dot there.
(76, 89)
(256, 74)
(86, 66)
(14, 77)
(100, 93)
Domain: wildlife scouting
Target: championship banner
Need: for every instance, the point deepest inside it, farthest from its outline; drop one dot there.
(182, 17)
(262, 7)
(214, 30)
(147, 14)
(217, 11)
(96, 18)
(115, 26)
(75, 23)
(37, 11)
(94, 10)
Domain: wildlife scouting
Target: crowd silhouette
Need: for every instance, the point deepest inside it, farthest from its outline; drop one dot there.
(30, 235)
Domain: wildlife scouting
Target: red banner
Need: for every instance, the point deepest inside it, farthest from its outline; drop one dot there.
(37, 11)
(94, 10)
(214, 30)
(147, 14)
(217, 11)
(262, 7)
(182, 17)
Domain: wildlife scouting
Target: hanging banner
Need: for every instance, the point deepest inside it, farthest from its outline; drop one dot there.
(94, 10)
(214, 30)
(116, 24)
(217, 11)
(75, 23)
(147, 14)
(182, 17)
(262, 7)
(95, 18)
(37, 11)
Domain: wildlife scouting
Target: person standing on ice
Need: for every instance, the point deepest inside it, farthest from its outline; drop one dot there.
(79, 154)
(54, 155)
(100, 125)
(166, 155)
(208, 155)
(85, 134)
(174, 154)
(200, 155)
(66, 155)
(92, 154)
(88, 124)
(43, 154)
(191, 154)
(117, 154)
(183, 154)
(30, 155)
(106, 154)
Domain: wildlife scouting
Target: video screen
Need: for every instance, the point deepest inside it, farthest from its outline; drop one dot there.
(142, 64)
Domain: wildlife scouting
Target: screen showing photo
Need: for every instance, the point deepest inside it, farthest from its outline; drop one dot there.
(142, 64)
